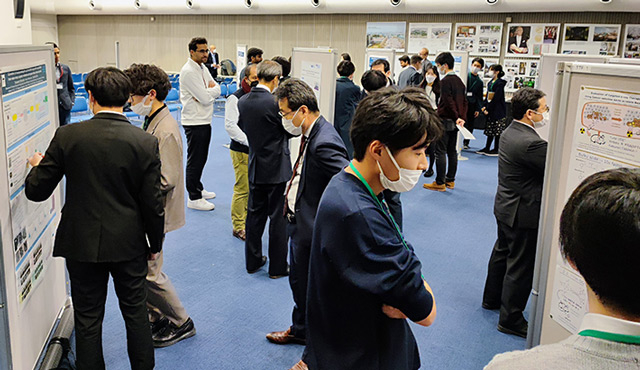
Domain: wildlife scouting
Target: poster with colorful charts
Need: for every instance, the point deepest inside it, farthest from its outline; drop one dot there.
(386, 35)
(631, 48)
(433, 36)
(591, 39)
(531, 39)
(478, 38)
(520, 73)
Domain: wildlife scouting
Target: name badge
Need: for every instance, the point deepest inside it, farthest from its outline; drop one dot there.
(470, 93)
(59, 86)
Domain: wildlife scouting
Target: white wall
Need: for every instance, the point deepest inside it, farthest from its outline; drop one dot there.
(14, 31)
(44, 28)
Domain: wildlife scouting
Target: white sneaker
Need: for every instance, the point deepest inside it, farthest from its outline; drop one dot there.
(200, 205)
(208, 194)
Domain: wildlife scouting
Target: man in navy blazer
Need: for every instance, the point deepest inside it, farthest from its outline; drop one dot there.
(321, 156)
(348, 96)
(269, 171)
(64, 85)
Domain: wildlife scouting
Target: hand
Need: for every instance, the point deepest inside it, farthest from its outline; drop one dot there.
(212, 84)
(35, 159)
(153, 256)
(392, 312)
(476, 114)
(460, 122)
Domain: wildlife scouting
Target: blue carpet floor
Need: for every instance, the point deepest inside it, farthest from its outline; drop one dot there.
(452, 232)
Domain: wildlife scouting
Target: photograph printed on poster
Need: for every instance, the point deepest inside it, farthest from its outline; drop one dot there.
(550, 34)
(519, 39)
(386, 35)
(632, 41)
(608, 34)
(579, 33)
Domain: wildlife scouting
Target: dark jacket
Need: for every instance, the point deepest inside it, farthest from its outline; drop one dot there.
(212, 60)
(113, 198)
(325, 156)
(514, 41)
(66, 94)
(269, 159)
(408, 77)
(453, 99)
(348, 96)
(497, 108)
(521, 162)
(475, 89)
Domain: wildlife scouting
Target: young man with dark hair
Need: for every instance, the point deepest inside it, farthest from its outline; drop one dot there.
(321, 156)
(372, 80)
(475, 95)
(169, 320)
(599, 236)
(383, 66)
(254, 56)
(198, 92)
(348, 96)
(113, 218)
(521, 162)
(410, 75)
(64, 85)
(345, 56)
(404, 61)
(286, 67)
(452, 109)
(364, 278)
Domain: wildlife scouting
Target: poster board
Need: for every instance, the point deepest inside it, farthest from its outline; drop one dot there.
(386, 35)
(371, 55)
(535, 39)
(520, 73)
(591, 39)
(241, 59)
(631, 46)
(478, 39)
(585, 138)
(34, 281)
(623, 61)
(433, 36)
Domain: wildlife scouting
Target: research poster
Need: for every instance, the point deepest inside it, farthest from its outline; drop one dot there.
(241, 58)
(606, 135)
(311, 73)
(531, 39)
(632, 41)
(386, 35)
(521, 73)
(433, 36)
(28, 128)
(478, 38)
(590, 39)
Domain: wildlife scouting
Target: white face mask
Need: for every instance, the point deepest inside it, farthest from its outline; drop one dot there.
(476, 70)
(490, 74)
(290, 127)
(442, 72)
(407, 178)
(544, 122)
(141, 108)
(431, 78)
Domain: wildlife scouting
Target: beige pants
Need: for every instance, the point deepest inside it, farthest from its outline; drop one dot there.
(162, 299)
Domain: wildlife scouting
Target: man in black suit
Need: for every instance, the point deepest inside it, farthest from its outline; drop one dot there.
(321, 156)
(64, 85)
(213, 62)
(113, 206)
(521, 162)
(269, 171)
(518, 42)
(348, 96)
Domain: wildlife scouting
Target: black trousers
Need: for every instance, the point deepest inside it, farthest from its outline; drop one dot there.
(198, 139)
(470, 123)
(64, 116)
(446, 149)
(266, 201)
(395, 205)
(431, 151)
(510, 272)
(89, 283)
(299, 253)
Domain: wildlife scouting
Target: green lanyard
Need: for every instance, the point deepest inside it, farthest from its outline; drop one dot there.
(621, 338)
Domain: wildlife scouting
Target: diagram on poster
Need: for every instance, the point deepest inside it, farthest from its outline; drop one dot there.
(632, 41)
(311, 73)
(588, 39)
(569, 302)
(479, 38)
(532, 39)
(433, 36)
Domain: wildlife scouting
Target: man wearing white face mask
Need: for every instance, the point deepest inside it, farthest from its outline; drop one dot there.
(521, 162)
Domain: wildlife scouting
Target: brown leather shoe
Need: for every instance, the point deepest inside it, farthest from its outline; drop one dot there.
(450, 184)
(300, 366)
(285, 337)
(435, 187)
(240, 234)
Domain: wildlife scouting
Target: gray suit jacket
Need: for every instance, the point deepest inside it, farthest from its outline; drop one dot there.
(406, 77)
(67, 94)
(521, 163)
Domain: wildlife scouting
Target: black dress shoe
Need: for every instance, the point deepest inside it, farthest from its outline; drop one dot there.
(172, 334)
(488, 306)
(159, 325)
(428, 173)
(520, 331)
(278, 276)
(262, 263)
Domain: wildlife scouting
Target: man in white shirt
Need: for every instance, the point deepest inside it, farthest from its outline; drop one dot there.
(599, 237)
(198, 92)
(239, 149)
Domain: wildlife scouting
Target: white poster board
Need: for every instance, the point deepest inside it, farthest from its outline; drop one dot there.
(520, 73)
(433, 36)
(591, 39)
(531, 39)
(33, 280)
(241, 59)
(588, 134)
(371, 55)
(478, 38)
(386, 35)
(631, 46)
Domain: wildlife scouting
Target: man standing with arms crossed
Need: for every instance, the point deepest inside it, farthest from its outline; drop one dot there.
(198, 92)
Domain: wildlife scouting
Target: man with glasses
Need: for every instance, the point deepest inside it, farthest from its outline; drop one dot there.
(521, 162)
(198, 92)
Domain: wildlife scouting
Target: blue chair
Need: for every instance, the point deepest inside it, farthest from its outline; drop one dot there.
(80, 110)
(76, 77)
(224, 90)
(84, 76)
(172, 96)
(175, 85)
(81, 91)
(232, 87)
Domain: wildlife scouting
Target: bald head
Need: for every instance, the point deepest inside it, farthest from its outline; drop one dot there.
(424, 53)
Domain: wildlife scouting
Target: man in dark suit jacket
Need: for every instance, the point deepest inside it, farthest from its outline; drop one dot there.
(113, 205)
(321, 156)
(64, 85)
(269, 171)
(518, 42)
(348, 96)
(213, 62)
(521, 163)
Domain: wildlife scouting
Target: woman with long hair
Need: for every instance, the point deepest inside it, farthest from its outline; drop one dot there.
(495, 109)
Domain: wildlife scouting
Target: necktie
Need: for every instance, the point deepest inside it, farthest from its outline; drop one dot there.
(303, 144)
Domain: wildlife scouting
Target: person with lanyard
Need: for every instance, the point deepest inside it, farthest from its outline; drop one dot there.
(365, 279)
(599, 236)
(495, 108)
(170, 322)
(64, 86)
(475, 90)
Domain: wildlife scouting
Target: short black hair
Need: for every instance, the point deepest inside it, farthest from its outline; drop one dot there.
(384, 62)
(346, 68)
(145, 77)
(399, 119)
(445, 58)
(373, 80)
(284, 63)
(268, 70)
(109, 86)
(524, 99)
(346, 56)
(404, 58)
(599, 234)
(497, 68)
(193, 44)
(253, 52)
(298, 93)
(416, 59)
(479, 60)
